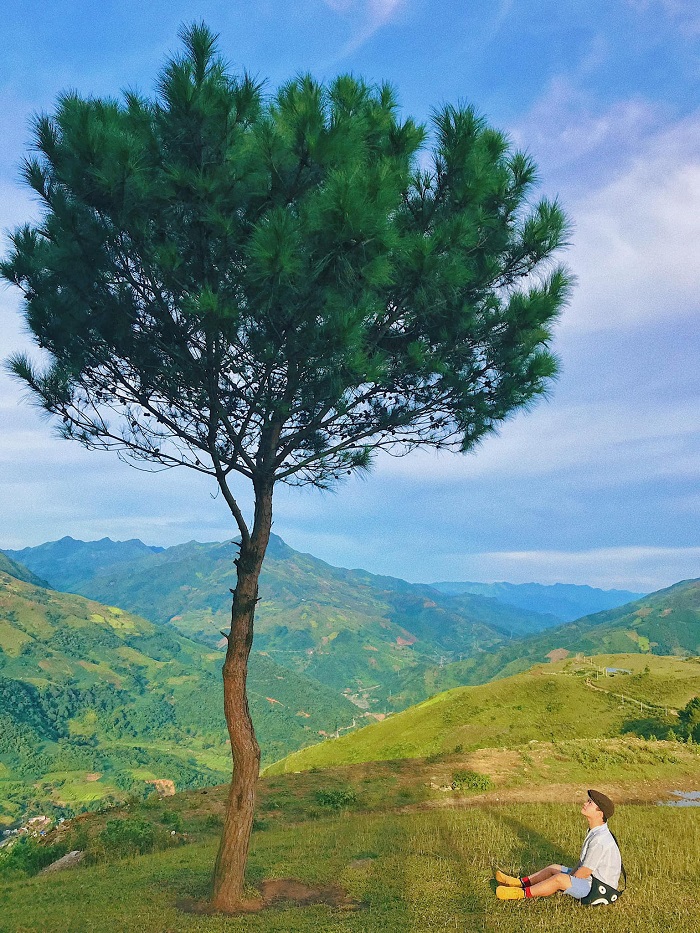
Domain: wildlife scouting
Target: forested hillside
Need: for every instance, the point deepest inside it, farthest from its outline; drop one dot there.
(95, 701)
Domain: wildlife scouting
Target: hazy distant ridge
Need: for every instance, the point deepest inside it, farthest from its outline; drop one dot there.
(566, 601)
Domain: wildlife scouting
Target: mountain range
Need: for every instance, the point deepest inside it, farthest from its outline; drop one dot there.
(374, 637)
(663, 623)
(565, 601)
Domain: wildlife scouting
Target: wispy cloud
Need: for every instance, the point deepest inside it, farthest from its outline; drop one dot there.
(683, 13)
(638, 568)
(605, 441)
(368, 16)
(577, 139)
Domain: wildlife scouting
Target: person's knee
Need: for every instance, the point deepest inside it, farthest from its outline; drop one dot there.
(563, 880)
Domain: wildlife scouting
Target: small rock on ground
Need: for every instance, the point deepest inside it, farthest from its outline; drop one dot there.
(67, 861)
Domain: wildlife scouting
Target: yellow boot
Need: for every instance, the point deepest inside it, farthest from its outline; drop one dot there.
(508, 880)
(506, 893)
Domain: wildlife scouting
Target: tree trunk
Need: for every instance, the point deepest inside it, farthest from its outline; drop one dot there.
(229, 872)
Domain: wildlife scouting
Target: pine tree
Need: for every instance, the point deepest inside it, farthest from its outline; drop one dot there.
(271, 289)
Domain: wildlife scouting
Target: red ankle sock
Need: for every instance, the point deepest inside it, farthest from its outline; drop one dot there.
(525, 880)
(528, 891)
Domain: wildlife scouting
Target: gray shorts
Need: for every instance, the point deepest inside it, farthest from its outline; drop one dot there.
(580, 887)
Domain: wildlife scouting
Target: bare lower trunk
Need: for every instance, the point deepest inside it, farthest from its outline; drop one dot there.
(229, 872)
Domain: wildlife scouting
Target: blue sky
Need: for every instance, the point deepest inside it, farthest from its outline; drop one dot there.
(597, 485)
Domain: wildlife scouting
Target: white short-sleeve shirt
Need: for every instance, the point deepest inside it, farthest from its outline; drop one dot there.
(601, 854)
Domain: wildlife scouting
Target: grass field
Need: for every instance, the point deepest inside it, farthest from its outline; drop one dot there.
(412, 844)
(409, 872)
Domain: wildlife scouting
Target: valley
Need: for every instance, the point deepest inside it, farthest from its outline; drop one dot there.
(110, 690)
(386, 642)
(98, 703)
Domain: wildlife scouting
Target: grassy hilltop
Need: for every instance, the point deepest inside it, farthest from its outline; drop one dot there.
(406, 873)
(402, 853)
(550, 702)
(408, 844)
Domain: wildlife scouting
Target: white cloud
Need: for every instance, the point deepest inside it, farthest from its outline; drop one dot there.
(684, 13)
(629, 177)
(381, 11)
(376, 12)
(637, 568)
(340, 6)
(636, 240)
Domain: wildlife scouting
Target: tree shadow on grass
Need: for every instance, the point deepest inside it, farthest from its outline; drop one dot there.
(471, 905)
(381, 883)
(537, 850)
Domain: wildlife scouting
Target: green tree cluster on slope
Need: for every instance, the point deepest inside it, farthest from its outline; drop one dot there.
(689, 718)
(275, 288)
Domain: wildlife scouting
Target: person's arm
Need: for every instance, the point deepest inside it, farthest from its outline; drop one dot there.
(582, 872)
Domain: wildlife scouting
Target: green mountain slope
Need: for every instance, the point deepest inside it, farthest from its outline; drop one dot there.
(351, 630)
(87, 690)
(547, 703)
(663, 623)
(14, 569)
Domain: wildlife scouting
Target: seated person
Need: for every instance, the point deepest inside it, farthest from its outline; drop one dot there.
(600, 857)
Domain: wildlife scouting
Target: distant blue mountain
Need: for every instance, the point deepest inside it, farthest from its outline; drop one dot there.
(565, 601)
(67, 562)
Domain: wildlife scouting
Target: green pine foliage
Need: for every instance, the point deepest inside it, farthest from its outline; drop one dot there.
(345, 278)
(689, 720)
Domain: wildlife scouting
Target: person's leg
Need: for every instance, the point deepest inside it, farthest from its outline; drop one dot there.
(541, 875)
(559, 881)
